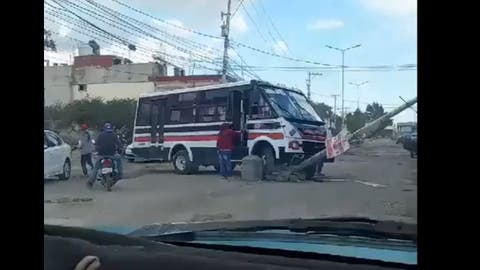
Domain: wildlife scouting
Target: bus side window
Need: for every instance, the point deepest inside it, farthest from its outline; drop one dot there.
(143, 114)
(259, 109)
(181, 115)
(214, 106)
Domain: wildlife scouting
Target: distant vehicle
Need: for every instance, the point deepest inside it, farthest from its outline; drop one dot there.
(57, 157)
(404, 130)
(277, 124)
(409, 143)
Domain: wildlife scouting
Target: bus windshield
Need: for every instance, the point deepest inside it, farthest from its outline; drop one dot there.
(291, 104)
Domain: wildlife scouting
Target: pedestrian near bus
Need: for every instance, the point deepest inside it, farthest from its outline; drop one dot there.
(86, 148)
(225, 145)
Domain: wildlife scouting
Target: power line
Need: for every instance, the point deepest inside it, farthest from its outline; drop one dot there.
(122, 47)
(274, 40)
(211, 36)
(86, 21)
(166, 22)
(116, 14)
(236, 9)
(254, 24)
(175, 47)
(128, 72)
(273, 24)
(87, 11)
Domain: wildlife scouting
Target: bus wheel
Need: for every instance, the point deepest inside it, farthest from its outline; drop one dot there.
(268, 157)
(182, 163)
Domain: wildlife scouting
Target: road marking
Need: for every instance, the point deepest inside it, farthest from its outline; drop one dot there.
(375, 185)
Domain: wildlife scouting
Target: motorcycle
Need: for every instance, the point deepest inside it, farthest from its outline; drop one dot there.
(107, 175)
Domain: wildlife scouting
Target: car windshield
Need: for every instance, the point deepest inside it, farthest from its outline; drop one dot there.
(196, 111)
(291, 104)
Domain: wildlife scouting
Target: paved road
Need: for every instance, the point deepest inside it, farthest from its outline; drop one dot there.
(376, 180)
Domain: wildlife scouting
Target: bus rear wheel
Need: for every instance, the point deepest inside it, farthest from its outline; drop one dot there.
(182, 163)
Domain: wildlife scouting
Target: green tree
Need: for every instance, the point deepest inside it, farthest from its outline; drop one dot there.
(355, 120)
(375, 111)
(323, 110)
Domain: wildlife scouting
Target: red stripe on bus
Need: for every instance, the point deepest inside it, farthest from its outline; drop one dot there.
(273, 136)
(313, 137)
(191, 138)
(143, 139)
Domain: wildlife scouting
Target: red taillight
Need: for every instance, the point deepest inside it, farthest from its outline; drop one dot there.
(107, 163)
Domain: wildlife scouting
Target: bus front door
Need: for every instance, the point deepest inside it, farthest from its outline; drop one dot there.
(238, 123)
(157, 120)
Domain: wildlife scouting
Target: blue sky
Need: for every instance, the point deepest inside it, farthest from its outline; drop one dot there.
(386, 30)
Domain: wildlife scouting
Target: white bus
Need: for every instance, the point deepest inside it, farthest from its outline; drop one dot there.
(181, 126)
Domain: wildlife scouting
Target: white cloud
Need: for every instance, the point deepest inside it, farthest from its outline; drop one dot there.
(238, 24)
(280, 48)
(402, 12)
(326, 24)
(392, 7)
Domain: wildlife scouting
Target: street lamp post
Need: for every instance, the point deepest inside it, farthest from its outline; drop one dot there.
(343, 75)
(358, 91)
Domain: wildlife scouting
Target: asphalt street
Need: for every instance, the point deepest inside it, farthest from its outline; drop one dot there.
(377, 179)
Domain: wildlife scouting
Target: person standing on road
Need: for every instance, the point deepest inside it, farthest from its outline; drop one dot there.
(107, 144)
(225, 144)
(85, 144)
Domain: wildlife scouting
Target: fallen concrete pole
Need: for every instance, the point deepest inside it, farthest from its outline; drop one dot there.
(366, 131)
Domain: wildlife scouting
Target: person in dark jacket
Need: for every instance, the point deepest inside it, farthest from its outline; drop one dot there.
(225, 144)
(107, 144)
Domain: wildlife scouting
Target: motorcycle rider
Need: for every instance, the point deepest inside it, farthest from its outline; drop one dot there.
(107, 145)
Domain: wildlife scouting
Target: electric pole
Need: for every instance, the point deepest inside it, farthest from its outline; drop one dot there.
(335, 109)
(343, 75)
(309, 82)
(358, 91)
(225, 32)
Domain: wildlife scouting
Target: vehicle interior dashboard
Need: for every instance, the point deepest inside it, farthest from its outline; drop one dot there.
(64, 247)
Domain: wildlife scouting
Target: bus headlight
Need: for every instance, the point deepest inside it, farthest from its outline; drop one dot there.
(294, 145)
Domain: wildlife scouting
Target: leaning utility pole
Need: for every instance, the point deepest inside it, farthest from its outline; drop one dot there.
(225, 32)
(309, 82)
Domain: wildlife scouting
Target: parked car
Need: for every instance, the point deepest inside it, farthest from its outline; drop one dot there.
(57, 156)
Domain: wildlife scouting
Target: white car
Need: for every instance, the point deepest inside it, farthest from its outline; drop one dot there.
(57, 156)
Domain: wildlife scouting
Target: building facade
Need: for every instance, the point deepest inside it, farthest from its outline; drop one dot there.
(109, 77)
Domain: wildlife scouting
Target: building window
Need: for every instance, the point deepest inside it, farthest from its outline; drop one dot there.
(82, 87)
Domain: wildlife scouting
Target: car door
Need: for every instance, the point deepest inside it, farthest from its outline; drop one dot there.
(48, 159)
(56, 153)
